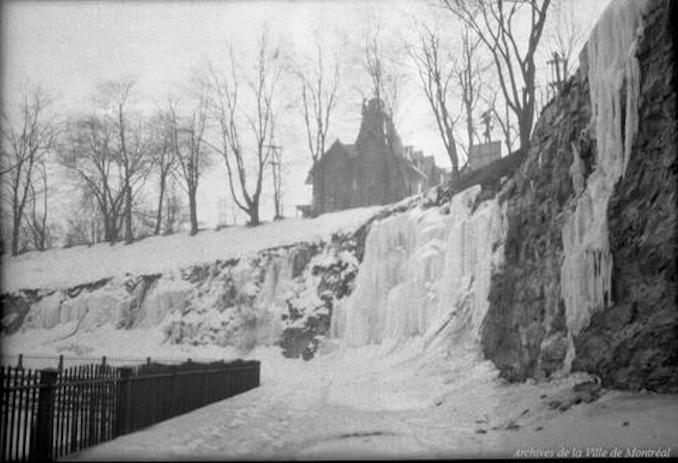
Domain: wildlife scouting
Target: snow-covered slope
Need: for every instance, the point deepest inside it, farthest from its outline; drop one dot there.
(63, 268)
(231, 289)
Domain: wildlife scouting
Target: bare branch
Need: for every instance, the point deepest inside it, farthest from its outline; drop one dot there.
(493, 24)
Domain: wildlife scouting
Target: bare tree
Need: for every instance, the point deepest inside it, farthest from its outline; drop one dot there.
(260, 120)
(85, 226)
(567, 35)
(435, 75)
(493, 22)
(24, 146)
(36, 220)
(468, 71)
(385, 80)
(162, 157)
(319, 100)
(173, 208)
(188, 144)
(446, 80)
(276, 174)
(131, 154)
(88, 152)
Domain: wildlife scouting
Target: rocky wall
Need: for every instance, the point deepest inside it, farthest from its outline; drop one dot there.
(280, 296)
(629, 337)
(634, 342)
(524, 332)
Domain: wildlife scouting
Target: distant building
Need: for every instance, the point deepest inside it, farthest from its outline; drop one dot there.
(483, 154)
(375, 170)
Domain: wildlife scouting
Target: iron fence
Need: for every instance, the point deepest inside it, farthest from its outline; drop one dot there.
(49, 413)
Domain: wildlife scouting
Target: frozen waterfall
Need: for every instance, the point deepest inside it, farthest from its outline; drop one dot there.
(424, 271)
(586, 272)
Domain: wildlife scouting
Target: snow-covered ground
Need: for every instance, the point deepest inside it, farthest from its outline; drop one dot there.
(364, 402)
(406, 387)
(63, 268)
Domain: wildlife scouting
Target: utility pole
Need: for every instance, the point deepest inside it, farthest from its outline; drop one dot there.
(276, 174)
(558, 71)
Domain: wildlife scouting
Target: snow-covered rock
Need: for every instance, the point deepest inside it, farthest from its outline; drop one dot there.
(271, 296)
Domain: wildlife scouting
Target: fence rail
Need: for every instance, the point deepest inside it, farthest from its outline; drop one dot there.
(60, 362)
(49, 413)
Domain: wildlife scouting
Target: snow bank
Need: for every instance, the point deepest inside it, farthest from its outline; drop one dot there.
(586, 272)
(62, 268)
(424, 271)
(280, 294)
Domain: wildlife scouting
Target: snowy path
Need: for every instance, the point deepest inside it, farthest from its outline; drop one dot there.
(334, 407)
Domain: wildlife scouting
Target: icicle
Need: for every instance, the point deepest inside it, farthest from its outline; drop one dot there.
(586, 272)
(420, 267)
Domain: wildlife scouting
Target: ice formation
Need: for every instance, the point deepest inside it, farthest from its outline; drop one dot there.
(586, 272)
(424, 271)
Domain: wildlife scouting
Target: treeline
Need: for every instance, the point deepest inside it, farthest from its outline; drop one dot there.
(109, 161)
(136, 174)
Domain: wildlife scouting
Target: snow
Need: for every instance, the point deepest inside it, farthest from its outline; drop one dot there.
(405, 381)
(63, 268)
(586, 272)
(362, 403)
(232, 305)
(401, 374)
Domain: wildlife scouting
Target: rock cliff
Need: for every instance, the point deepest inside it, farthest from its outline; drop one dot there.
(589, 281)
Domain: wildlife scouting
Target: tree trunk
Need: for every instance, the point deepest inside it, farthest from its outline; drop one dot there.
(525, 123)
(16, 225)
(193, 210)
(169, 218)
(158, 219)
(454, 158)
(128, 214)
(277, 207)
(107, 231)
(253, 212)
(318, 190)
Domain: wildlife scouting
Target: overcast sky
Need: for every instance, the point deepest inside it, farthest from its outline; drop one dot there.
(70, 47)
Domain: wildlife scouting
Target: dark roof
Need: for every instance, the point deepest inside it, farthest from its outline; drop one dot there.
(350, 150)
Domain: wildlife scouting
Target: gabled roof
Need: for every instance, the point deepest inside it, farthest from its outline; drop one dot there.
(351, 151)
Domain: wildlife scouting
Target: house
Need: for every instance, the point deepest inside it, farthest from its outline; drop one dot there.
(483, 154)
(374, 170)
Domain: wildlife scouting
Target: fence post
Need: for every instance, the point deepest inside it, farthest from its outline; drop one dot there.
(173, 385)
(205, 379)
(61, 362)
(45, 420)
(20, 363)
(122, 413)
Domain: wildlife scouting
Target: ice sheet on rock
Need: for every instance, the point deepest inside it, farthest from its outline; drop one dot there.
(586, 272)
(422, 269)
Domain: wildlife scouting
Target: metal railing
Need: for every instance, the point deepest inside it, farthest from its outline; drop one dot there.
(49, 413)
